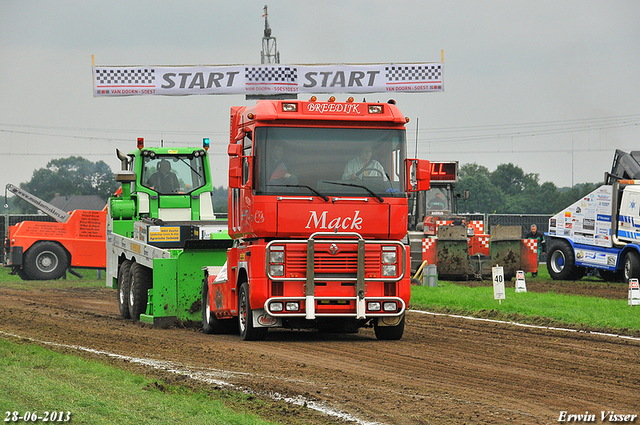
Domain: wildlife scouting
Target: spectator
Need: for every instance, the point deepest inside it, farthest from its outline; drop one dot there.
(534, 234)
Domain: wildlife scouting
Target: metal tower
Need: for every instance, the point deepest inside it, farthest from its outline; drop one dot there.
(270, 53)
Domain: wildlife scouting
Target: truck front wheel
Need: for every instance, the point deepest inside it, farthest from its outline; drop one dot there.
(389, 332)
(245, 317)
(631, 266)
(560, 261)
(45, 261)
(123, 289)
(139, 284)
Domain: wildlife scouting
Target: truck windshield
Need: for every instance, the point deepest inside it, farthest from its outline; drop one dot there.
(438, 199)
(172, 174)
(330, 161)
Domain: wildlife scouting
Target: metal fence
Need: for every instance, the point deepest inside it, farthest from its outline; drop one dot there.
(523, 220)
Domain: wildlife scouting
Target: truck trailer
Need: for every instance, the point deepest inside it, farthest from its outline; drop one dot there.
(317, 212)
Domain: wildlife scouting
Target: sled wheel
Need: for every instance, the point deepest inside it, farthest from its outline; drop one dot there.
(45, 261)
(123, 289)
(245, 317)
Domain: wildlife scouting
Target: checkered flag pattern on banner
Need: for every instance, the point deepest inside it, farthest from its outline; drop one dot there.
(413, 73)
(271, 74)
(125, 76)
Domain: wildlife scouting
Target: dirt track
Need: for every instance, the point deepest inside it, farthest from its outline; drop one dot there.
(444, 370)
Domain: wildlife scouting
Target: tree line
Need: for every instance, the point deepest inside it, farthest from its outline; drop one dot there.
(506, 190)
(509, 190)
(79, 176)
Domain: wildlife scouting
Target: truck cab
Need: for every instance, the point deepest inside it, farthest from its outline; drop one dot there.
(629, 215)
(601, 230)
(318, 211)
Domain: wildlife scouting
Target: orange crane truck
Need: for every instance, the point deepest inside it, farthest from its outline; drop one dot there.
(38, 250)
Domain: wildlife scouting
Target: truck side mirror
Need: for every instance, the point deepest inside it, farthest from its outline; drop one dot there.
(418, 175)
(235, 165)
(235, 172)
(234, 150)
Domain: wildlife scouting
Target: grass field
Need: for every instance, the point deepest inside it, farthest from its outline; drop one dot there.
(37, 379)
(531, 307)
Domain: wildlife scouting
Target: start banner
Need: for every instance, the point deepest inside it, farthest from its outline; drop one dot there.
(266, 79)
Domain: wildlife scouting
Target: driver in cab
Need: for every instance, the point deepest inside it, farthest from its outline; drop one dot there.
(363, 165)
(164, 180)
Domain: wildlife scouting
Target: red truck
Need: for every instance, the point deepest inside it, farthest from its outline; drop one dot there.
(38, 250)
(318, 214)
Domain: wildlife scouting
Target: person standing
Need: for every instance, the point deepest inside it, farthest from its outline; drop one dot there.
(534, 234)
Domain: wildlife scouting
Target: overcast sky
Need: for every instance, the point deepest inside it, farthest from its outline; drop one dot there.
(550, 86)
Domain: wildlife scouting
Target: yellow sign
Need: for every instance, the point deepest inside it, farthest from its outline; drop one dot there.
(165, 234)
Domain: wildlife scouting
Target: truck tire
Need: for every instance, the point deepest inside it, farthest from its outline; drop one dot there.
(389, 333)
(560, 261)
(631, 266)
(578, 273)
(139, 284)
(45, 261)
(21, 273)
(611, 276)
(210, 323)
(123, 289)
(245, 317)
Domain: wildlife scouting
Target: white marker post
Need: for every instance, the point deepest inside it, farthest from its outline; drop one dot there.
(521, 286)
(634, 292)
(497, 273)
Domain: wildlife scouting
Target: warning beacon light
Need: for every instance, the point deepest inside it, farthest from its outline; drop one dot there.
(205, 143)
(140, 143)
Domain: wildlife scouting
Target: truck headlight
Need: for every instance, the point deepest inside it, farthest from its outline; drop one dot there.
(388, 257)
(276, 260)
(276, 256)
(389, 260)
(292, 306)
(276, 269)
(275, 306)
(389, 306)
(373, 306)
(388, 270)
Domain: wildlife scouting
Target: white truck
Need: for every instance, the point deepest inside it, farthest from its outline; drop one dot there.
(601, 230)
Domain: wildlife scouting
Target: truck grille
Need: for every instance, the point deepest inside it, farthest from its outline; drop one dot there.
(344, 263)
